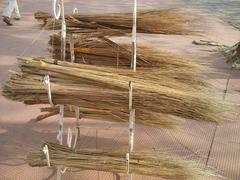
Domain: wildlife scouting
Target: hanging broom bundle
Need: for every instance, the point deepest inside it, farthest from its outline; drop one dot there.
(166, 21)
(103, 51)
(142, 163)
(105, 91)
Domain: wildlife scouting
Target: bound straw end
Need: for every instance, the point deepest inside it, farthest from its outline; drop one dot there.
(42, 64)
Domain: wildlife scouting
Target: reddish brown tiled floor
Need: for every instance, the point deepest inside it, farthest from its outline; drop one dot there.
(18, 132)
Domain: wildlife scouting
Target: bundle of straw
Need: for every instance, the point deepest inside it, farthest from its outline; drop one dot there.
(166, 21)
(143, 163)
(104, 90)
(105, 52)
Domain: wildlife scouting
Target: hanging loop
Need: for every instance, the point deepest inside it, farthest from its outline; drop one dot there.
(131, 129)
(56, 9)
(46, 152)
(61, 121)
(75, 10)
(47, 82)
(64, 170)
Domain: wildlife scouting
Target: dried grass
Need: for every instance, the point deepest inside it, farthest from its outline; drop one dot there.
(166, 21)
(142, 163)
(105, 52)
(156, 98)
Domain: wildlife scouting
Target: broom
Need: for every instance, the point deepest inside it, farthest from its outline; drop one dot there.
(142, 163)
(166, 21)
(107, 89)
(103, 51)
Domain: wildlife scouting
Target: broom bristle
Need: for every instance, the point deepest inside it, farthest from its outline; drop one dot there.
(155, 97)
(105, 52)
(166, 21)
(142, 163)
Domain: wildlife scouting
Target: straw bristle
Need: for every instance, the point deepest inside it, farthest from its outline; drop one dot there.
(156, 97)
(166, 21)
(105, 52)
(142, 163)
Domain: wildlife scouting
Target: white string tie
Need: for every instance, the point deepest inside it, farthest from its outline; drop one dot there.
(64, 170)
(75, 10)
(127, 163)
(69, 138)
(47, 82)
(46, 152)
(61, 119)
(75, 140)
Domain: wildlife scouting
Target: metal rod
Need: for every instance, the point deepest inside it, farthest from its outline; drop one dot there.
(131, 119)
(227, 84)
(77, 110)
(60, 136)
(72, 48)
(134, 37)
(130, 95)
(75, 10)
(127, 166)
(63, 33)
(57, 13)
(211, 145)
(77, 113)
(216, 126)
(131, 129)
(60, 123)
(133, 66)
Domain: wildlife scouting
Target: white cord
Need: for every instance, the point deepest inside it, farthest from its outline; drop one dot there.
(64, 170)
(46, 152)
(72, 48)
(69, 138)
(131, 129)
(47, 82)
(127, 166)
(75, 10)
(134, 37)
(61, 119)
(56, 10)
